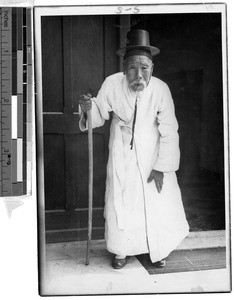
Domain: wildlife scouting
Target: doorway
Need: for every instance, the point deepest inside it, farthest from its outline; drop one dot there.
(78, 53)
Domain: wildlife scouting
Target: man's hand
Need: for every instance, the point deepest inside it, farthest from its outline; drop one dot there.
(158, 179)
(85, 102)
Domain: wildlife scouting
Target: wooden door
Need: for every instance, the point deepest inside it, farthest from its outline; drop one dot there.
(77, 54)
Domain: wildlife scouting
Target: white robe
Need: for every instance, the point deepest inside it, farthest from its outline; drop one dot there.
(138, 218)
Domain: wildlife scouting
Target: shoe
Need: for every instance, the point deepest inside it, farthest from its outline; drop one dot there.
(160, 263)
(119, 263)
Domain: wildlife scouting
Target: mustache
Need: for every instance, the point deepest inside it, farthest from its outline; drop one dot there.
(137, 82)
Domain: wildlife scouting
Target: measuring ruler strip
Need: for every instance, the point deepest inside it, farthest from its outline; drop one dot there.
(16, 108)
(14, 128)
(20, 56)
(16, 103)
(6, 88)
(24, 146)
(14, 51)
(20, 62)
(29, 102)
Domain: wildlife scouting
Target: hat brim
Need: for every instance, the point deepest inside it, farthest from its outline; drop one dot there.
(154, 50)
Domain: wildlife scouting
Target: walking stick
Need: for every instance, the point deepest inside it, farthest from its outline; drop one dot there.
(90, 193)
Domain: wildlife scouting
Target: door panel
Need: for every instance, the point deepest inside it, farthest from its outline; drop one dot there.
(78, 53)
(54, 171)
(52, 67)
(87, 54)
(81, 174)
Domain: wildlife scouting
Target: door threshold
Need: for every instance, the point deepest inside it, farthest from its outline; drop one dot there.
(195, 240)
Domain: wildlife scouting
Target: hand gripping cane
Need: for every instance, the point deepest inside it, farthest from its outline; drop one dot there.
(90, 193)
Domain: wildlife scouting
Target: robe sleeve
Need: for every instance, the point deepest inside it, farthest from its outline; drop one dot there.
(100, 108)
(169, 152)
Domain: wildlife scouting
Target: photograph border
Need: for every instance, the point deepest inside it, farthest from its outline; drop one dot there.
(113, 9)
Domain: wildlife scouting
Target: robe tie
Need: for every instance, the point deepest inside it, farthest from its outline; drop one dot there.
(133, 123)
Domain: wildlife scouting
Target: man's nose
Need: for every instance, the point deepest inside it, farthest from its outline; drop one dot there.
(139, 74)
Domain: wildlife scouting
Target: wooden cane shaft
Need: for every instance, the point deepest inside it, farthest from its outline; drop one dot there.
(90, 190)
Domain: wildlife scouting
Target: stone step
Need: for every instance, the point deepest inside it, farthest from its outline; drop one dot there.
(204, 239)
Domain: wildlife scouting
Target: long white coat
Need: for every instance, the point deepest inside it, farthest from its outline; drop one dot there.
(138, 218)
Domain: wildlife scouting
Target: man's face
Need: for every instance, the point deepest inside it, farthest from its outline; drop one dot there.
(138, 70)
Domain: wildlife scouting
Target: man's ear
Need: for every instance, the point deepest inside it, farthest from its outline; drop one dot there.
(124, 68)
(152, 68)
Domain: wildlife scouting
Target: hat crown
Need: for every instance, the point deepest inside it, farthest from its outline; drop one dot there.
(138, 37)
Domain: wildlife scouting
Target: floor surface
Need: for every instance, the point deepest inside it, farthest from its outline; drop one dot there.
(188, 260)
(67, 274)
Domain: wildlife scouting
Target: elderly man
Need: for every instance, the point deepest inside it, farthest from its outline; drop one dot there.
(143, 207)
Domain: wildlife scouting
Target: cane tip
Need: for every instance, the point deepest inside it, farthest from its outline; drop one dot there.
(86, 263)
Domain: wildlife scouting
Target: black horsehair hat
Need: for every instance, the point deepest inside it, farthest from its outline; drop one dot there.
(137, 42)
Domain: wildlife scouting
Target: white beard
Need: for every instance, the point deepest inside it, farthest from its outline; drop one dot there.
(140, 88)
